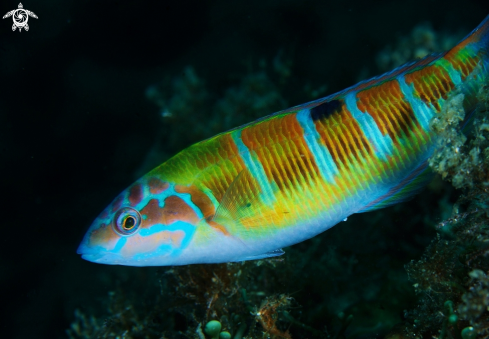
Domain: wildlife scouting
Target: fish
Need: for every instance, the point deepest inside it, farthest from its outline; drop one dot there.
(247, 193)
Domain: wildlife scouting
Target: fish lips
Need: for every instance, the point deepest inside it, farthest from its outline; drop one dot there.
(98, 255)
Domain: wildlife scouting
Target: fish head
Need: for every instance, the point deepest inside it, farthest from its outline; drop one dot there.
(151, 223)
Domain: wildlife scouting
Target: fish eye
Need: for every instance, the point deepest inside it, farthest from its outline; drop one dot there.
(126, 221)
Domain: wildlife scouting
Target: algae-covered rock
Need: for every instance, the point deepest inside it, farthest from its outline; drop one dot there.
(453, 267)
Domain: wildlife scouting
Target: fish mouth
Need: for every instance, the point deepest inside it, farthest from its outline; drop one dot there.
(98, 255)
(103, 258)
(92, 257)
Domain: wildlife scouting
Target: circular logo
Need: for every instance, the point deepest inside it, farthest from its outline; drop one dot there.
(20, 17)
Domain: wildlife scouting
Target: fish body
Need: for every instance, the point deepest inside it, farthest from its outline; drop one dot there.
(246, 193)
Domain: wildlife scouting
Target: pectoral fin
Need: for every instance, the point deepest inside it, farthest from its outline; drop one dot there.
(241, 203)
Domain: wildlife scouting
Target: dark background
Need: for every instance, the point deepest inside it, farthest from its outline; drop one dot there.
(76, 126)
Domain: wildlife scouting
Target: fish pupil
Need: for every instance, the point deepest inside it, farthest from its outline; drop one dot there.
(129, 223)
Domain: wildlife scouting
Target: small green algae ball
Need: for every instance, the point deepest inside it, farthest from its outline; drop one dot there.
(212, 328)
(468, 333)
(225, 335)
(452, 319)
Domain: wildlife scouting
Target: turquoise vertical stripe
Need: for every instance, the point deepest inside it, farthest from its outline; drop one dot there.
(422, 112)
(320, 152)
(454, 74)
(255, 167)
(383, 144)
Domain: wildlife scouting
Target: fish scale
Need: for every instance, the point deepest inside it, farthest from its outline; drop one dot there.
(246, 193)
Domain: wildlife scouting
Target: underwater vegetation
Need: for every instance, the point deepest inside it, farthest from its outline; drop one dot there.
(279, 298)
(422, 41)
(451, 277)
(218, 300)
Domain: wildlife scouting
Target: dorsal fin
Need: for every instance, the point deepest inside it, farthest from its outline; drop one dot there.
(377, 80)
(408, 66)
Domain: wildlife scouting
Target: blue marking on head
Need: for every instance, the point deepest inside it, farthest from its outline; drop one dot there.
(187, 228)
(176, 226)
(120, 244)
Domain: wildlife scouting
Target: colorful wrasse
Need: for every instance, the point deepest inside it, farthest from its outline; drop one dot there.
(246, 193)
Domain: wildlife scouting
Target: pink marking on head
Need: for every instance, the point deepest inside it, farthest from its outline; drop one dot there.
(153, 212)
(198, 198)
(138, 244)
(135, 194)
(103, 236)
(117, 203)
(156, 186)
(175, 209)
